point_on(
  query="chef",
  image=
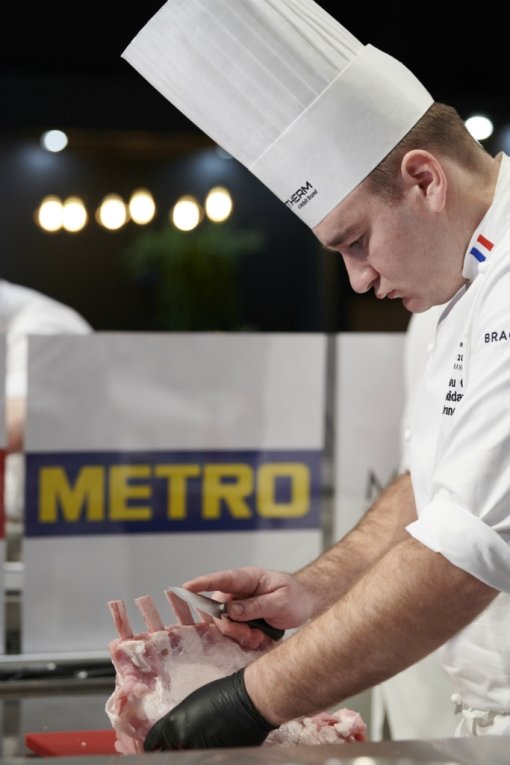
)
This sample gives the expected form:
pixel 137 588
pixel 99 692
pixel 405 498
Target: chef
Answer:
pixel 351 142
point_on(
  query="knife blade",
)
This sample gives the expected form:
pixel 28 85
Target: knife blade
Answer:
pixel 218 609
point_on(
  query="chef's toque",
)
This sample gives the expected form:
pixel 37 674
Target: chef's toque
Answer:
pixel 285 89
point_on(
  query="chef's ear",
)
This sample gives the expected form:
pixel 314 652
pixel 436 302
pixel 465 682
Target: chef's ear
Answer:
pixel 424 178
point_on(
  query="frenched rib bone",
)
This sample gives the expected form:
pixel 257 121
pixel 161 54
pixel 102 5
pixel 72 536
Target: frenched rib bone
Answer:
pixel 181 609
pixel 149 613
pixel 120 618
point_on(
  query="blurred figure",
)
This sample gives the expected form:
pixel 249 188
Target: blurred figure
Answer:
pixel 24 312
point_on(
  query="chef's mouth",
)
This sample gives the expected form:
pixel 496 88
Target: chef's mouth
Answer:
pixel 391 295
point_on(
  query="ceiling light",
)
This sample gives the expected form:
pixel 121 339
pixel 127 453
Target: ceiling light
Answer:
pixel 186 214
pixel 218 205
pixel 54 140
pixel 74 214
pixel 142 207
pixel 112 212
pixel 50 214
pixel 480 127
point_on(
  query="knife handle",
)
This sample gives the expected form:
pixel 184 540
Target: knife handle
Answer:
pixel 259 624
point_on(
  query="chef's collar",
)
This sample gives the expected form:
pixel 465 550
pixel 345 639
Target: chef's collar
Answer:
pixel 493 225
pixel 285 89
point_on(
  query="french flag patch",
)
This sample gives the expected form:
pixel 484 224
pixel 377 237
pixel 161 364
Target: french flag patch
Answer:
pixel 482 248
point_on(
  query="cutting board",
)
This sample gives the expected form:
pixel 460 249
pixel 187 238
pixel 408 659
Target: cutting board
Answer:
pixel 71 743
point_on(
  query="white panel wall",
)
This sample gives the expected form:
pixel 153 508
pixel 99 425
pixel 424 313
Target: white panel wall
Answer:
pixel 120 399
pixel 369 402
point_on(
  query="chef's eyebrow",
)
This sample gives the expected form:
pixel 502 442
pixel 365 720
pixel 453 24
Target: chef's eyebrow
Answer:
pixel 339 238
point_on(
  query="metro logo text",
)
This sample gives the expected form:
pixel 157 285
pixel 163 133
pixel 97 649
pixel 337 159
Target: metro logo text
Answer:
pixel 90 493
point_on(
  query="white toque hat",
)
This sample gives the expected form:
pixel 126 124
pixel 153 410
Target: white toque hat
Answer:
pixel 285 89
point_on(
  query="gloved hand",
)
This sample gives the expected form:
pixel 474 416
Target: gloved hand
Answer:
pixel 219 714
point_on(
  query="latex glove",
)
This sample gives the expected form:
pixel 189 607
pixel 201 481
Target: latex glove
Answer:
pixel 219 714
pixel 255 593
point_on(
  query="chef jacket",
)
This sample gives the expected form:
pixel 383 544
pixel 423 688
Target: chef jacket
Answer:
pixel 460 452
pixel 417 701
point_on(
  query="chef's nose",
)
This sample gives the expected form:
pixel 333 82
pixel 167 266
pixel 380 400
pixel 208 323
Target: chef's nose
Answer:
pixel 361 275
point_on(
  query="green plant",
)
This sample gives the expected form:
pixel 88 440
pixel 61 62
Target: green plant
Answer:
pixel 193 275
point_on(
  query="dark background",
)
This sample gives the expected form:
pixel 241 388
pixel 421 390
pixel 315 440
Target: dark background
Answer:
pixel 60 67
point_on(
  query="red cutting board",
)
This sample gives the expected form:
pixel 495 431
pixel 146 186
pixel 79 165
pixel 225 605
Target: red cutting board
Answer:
pixel 71 743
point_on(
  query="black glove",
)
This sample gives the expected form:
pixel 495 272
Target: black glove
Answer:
pixel 219 714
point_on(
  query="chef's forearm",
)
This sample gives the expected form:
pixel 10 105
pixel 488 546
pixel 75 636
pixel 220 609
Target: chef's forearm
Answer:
pixel 381 528
pixel 409 603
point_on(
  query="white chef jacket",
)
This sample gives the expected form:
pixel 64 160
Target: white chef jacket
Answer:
pixel 417 701
pixel 460 453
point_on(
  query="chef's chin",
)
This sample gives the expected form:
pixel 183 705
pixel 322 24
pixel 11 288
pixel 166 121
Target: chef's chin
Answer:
pixel 415 305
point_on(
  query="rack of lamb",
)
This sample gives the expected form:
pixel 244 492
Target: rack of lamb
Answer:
pixel 157 669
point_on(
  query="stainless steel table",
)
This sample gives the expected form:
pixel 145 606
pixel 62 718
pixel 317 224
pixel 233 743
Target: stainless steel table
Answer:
pixel 490 750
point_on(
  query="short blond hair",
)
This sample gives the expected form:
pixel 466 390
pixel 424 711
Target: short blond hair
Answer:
pixel 440 130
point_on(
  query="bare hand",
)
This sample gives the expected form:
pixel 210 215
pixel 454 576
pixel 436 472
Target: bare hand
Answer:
pixel 256 593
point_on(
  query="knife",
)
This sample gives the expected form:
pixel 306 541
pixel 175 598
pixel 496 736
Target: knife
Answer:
pixel 217 609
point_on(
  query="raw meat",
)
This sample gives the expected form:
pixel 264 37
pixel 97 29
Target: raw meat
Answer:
pixel 156 669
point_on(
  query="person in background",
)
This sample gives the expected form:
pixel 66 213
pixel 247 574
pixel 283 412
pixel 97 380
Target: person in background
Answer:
pixel 24 312
pixel 391 180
